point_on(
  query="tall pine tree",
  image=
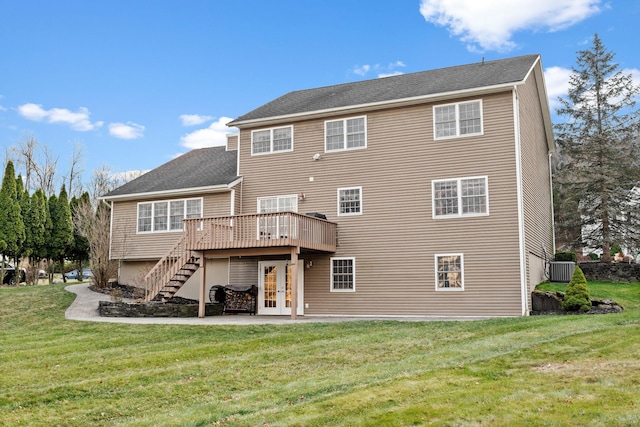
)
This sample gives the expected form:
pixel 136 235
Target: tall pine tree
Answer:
pixel 35 213
pixel 61 237
pixel 600 156
pixel 11 225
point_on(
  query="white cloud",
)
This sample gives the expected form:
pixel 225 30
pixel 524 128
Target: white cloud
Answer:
pixel 381 70
pixel 557 82
pixel 490 25
pixel 635 75
pixel 194 119
pixel 127 130
pixel 76 120
pixel 214 135
pixel 361 70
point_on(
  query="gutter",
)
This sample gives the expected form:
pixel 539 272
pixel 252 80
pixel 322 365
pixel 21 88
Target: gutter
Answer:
pixel 176 192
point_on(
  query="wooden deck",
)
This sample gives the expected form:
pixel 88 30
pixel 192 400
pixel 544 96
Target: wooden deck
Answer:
pixel 281 229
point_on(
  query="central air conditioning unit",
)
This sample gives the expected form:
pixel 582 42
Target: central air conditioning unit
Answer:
pixel 561 271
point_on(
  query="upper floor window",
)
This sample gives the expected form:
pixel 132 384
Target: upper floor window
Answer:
pixel 345 134
pixel 271 204
pixel 277 226
pixel 272 140
pixel 461 119
pixel 460 197
pixel 350 201
pixel 167 215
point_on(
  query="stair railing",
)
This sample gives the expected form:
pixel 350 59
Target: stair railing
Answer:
pixel 166 268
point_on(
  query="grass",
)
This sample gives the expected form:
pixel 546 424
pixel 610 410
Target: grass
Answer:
pixel 538 370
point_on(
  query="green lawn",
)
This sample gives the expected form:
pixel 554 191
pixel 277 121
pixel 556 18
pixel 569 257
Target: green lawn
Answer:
pixel 539 370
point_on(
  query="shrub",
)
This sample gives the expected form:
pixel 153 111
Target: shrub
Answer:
pixel 565 256
pixel 577 298
pixel 594 257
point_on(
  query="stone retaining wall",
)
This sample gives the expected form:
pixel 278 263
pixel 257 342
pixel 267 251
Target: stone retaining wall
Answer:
pixel 155 309
pixel 611 272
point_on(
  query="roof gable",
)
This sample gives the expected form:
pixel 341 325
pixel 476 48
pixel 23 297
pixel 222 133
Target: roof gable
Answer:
pixel 395 88
pixel 204 167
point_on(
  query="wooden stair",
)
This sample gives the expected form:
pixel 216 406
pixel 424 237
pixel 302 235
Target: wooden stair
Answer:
pixel 178 280
pixel 171 272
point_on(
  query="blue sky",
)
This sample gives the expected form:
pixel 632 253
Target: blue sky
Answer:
pixel 135 83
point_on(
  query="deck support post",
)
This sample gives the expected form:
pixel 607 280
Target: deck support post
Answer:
pixel 294 282
pixel 203 283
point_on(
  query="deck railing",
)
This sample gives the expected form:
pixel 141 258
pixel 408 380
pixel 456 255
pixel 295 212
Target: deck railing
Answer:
pixel 260 230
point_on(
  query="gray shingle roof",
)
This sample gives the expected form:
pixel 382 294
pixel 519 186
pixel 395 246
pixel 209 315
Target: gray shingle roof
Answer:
pixel 203 167
pixel 443 80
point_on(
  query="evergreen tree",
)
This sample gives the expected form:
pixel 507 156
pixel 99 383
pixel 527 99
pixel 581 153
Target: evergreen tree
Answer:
pixel 35 220
pixel 61 237
pixel 600 156
pixel 577 297
pixel 11 225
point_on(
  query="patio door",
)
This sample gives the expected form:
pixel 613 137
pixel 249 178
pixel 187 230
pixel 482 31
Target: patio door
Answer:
pixel 274 290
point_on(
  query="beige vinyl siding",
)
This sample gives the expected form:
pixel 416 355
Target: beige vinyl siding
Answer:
pixel 232 142
pixel 243 271
pixel 126 243
pixel 537 196
pixel 217 274
pixel 396 238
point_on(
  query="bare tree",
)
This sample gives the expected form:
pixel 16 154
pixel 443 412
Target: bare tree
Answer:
pixel 105 180
pixel 73 180
pixel 38 164
pixel 94 225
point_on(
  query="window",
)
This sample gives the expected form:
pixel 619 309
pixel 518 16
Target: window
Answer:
pixel 145 213
pixel 449 271
pixel 272 140
pixel 160 216
pixel 460 197
pixel 343 274
pixel 453 120
pixel 347 134
pixel 167 215
pixel 349 201
pixel 275 226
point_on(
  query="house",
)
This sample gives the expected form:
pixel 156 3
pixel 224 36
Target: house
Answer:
pixel 423 194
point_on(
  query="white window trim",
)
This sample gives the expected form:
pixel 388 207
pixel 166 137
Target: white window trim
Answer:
pixel 457 105
pixel 331 288
pixel 435 259
pixel 344 127
pixel 459 182
pixel 359 188
pixel 282 196
pixel 168 201
pixel 271 141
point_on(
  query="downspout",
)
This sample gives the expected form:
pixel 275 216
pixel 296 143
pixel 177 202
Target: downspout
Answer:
pixel 521 236
pixel 553 212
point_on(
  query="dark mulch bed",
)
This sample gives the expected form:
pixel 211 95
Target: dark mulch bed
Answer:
pixel 119 291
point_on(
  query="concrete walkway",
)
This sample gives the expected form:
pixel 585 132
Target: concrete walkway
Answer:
pixel 85 308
